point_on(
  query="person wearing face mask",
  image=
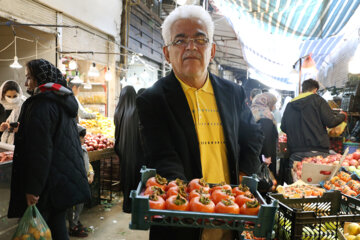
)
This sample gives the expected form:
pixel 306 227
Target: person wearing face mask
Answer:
pixel 11 100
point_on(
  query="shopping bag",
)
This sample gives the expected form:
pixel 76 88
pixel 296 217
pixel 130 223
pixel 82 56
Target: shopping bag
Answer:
pixel 265 180
pixel 32 226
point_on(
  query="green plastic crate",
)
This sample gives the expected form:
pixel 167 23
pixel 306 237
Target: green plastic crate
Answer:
pixel 142 217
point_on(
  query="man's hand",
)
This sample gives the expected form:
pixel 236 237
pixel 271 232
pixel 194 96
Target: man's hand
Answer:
pixel 90 178
pixel 4 126
pixel 344 113
pixel 31 199
pixel 267 161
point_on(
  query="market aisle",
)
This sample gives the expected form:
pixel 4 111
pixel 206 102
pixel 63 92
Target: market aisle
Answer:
pixel 115 224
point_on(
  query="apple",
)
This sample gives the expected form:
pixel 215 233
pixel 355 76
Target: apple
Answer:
pixel 352 168
pixel 345 164
pixel 353 162
pixel 356 155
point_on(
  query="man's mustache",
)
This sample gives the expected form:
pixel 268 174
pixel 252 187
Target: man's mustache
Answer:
pixel 191 55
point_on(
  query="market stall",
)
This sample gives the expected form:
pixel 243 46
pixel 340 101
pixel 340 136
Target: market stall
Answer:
pixel 6 155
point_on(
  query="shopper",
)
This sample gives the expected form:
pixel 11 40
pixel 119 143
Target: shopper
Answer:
pixel 76 229
pixel 305 121
pixel 48 167
pixel 195 124
pixel 262 107
pixel 11 100
pixel 253 93
pixel 82 113
pixel 127 143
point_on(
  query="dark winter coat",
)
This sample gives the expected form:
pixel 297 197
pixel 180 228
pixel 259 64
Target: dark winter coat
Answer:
pixel 48 158
pixel 305 121
pixel 270 141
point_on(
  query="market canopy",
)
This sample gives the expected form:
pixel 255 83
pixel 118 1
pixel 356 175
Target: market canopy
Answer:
pixel 275 34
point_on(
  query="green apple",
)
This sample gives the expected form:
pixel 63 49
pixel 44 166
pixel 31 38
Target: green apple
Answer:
pixel 357 171
pixel 352 168
pixel 358 167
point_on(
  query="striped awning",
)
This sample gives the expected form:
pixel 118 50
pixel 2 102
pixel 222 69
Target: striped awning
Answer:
pixel 275 33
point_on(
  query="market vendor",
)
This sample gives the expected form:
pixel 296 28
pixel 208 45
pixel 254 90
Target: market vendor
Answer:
pixel 305 120
pixel 193 123
pixel 75 87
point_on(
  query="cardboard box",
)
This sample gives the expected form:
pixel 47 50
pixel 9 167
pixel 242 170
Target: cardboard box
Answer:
pixel 313 173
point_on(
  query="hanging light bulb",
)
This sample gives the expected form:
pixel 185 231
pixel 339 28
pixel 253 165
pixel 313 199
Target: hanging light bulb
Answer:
pixel 76 79
pixel 108 75
pixel 16 63
pixel 93 72
pixel 72 65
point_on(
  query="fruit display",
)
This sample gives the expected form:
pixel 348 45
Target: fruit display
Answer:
pixel 6 156
pixel 97 142
pixel 300 191
pixel 352 162
pixel 197 196
pixel 352 231
pixel 100 125
pixel 92 99
pixel 344 183
pixel 329 160
pixel 283 138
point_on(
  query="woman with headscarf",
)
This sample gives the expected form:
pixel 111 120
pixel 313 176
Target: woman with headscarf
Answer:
pixel 48 167
pixel 11 100
pixel 262 108
pixel 127 143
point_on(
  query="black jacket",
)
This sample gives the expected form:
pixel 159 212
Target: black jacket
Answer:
pixel 305 121
pixel 48 159
pixel 170 139
pixel 270 141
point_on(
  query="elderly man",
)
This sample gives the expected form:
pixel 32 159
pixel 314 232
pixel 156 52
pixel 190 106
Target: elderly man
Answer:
pixel 193 123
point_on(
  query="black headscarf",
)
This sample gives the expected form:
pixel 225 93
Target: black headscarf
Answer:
pixel 127 143
pixel 44 72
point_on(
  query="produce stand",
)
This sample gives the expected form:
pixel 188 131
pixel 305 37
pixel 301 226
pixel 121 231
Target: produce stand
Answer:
pixel 142 217
pixel 5 179
pixel 107 174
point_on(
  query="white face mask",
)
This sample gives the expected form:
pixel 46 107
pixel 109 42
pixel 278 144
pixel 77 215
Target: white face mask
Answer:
pixel 12 100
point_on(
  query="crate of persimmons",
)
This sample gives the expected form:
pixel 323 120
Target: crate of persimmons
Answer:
pixel 198 204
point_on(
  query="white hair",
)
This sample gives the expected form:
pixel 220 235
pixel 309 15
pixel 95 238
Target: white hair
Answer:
pixel 186 12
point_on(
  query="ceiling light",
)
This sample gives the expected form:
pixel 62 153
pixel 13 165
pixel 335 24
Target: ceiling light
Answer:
pixel 15 64
pixel 72 65
pixel 93 72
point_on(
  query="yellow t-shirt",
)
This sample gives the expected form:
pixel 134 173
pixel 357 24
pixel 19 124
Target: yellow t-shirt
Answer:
pixel 209 130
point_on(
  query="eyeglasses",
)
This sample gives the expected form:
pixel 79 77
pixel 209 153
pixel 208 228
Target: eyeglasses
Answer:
pixel 183 42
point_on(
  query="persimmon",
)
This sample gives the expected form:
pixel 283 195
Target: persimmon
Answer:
pixel 227 206
pixel 221 194
pixel 156 202
pixel 241 199
pixel 177 190
pixel 155 190
pixel 240 190
pixel 202 204
pixel 197 183
pixel 156 181
pixel 175 183
pixel 177 202
pixel 250 208
pixel 221 185
pixel 198 193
